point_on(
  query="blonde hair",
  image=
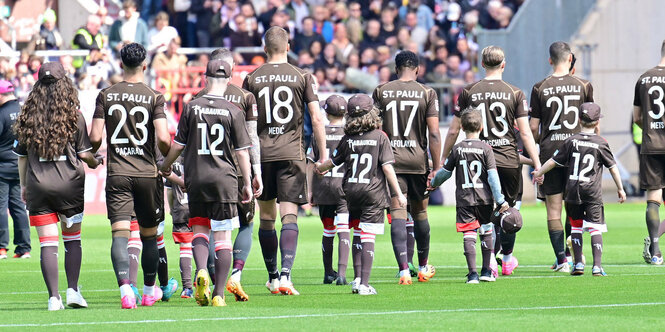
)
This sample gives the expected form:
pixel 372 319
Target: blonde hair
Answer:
pixel 493 57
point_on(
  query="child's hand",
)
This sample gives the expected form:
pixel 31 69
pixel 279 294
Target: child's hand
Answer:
pixel 537 177
pixel 402 200
pixel 504 207
pixel 622 195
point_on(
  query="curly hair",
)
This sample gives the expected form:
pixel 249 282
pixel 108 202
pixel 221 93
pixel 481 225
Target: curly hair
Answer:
pixel 48 119
pixel 363 123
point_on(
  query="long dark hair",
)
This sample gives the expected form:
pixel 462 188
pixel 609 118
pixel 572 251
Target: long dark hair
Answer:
pixel 48 119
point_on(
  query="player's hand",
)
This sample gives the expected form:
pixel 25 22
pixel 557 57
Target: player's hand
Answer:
pixel 504 207
pixel 257 185
pixel 165 171
pixel 622 195
pixel 246 194
pixel 319 169
pixel 402 200
pixel 537 177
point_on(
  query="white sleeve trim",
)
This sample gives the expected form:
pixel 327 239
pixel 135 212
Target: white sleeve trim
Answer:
pixel 85 150
pixel 388 162
pixel 557 163
pixel 243 148
pixel 183 144
pixel 18 154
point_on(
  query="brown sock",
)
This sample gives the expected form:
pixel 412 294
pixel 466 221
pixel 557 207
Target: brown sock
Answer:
pixel 134 247
pixel 223 258
pixel 470 250
pixel 186 267
pixel 597 247
pixel 398 237
pixel 410 241
pixel 576 238
pixel 356 252
pixel 288 244
pixel 269 245
pixel 72 242
pixel 200 250
pixel 422 232
pixel 149 260
pixel 49 263
pixel 367 257
pixel 163 268
pixel 486 249
pixel 343 249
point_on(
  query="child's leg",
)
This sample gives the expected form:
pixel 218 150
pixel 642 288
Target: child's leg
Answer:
pixel 486 246
pixel 357 247
pixel 344 242
pixel 223 258
pixel 163 268
pixel 200 242
pixel 71 238
pixel 182 235
pixel 470 250
pixel 47 230
pixel 134 247
pixel 596 246
pixel 367 240
pixel 327 214
pixel 576 216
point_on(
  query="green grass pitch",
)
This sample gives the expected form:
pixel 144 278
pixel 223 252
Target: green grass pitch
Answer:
pixel 534 298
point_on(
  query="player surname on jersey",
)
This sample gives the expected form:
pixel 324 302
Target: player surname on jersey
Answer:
pixel 497 142
pixel 560 137
pixel 129 97
pixel 406 143
pixel 562 89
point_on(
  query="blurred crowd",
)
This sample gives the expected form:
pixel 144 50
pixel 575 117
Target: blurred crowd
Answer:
pixel 348 45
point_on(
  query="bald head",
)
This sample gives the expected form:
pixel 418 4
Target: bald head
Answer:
pixel 223 54
pixel 93 24
pixel 276 41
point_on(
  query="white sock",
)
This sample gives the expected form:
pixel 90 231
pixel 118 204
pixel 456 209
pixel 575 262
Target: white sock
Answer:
pixel 235 275
pixel 569 259
pixel 126 290
pixel 148 290
pixel 507 258
pixel 423 268
pixel 404 273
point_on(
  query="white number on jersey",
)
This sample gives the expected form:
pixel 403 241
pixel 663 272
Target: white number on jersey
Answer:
pixel 501 118
pixel 217 130
pixel 555 124
pixel 581 174
pixel 471 181
pixel 279 103
pixel 392 107
pixel 658 101
pixel 364 159
pixel 141 126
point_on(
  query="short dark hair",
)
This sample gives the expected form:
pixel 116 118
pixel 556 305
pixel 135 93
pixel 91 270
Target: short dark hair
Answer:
pixel 132 55
pixel 472 121
pixel 559 52
pixel 406 59
pixel 221 54
pixel 306 18
pixel 276 40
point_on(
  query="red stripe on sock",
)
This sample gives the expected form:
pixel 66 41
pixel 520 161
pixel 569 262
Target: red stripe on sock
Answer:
pixel 201 235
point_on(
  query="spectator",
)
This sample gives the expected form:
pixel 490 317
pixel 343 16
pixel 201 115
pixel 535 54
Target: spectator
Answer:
pixel 467 57
pixel 87 38
pixel 48 37
pixel 403 38
pixel 298 10
pixel 180 19
pixel 274 7
pixel 355 12
pixel 66 62
pixel 343 46
pixel 488 15
pixel 367 57
pixel 129 28
pixel 315 49
pixel 418 33
pixel 150 8
pixel 322 25
pixel 33 65
pixel 244 37
pixel 385 75
pixel 453 64
pixel 440 56
pixel 305 61
pixel 203 9
pixel 353 61
pixel 438 74
pixel 328 57
pixel 305 38
pixel 247 10
pixel 105 23
pixel 229 10
pixel 383 55
pixel 504 16
pixel 424 15
pixel 388 28
pixel 372 38
pixel 99 68
pixel 340 12
pixel 10 188
pixel 161 34
pixel 469 77
pixel 172 63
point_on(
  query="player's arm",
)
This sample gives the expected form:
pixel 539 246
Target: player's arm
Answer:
pixel 317 127
pixel 547 166
pixel 245 170
pixel 255 156
pixel 434 142
pixel 175 180
pixel 534 124
pixel 451 136
pixel 327 165
pixel 173 154
pixel 163 136
pixel 527 138
pixel 96 133
pixel 22 173
pixel 389 171
pixel 637 116
pixel 92 160
pixel 525 161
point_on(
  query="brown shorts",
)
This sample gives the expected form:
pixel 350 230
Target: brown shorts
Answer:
pixel 652 171
pixel 127 196
pixel 368 214
pixel 63 198
pixel 285 180
pixel 413 186
pixel 245 211
pixel 180 216
pixel 593 213
pixel 555 181
pixel 470 218
pixel 511 181
pixel 331 211
pixel 213 210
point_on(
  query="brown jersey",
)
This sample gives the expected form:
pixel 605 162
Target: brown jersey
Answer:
pixel 405 107
pixel 500 104
pixel 327 189
pixel 246 102
pixel 556 102
pixel 471 159
pixel 60 181
pixel 650 98
pixel 364 155
pixel 129 110
pixel 585 155
pixel 282 91
pixel 211 128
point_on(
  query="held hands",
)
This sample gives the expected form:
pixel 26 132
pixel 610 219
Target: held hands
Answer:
pixel 320 170
pixel 430 177
pixel 538 177
pixel 100 160
pixel 165 171
pixel 622 195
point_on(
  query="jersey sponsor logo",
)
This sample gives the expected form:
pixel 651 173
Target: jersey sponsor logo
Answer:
pixel 578 143
pixel 361 142
pixel 129 97
pixel 491 96
pixel 200 111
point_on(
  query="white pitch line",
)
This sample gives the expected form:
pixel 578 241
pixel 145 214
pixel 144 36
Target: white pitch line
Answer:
pixel 377 313
pixel 378 281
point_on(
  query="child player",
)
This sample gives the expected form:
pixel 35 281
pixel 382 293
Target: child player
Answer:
pixel 477 183
pixel 327 193
pixel 182 233
pixel 367 152
pixel 585 154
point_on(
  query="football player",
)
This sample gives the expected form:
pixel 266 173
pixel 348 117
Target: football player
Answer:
pixel 501 105
pixel 282 91
pixel 133 115
pixel 584 155
pixel 410 113
pixel 648 111
pixel 367 152
pixel 555 103
pixel 210 129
